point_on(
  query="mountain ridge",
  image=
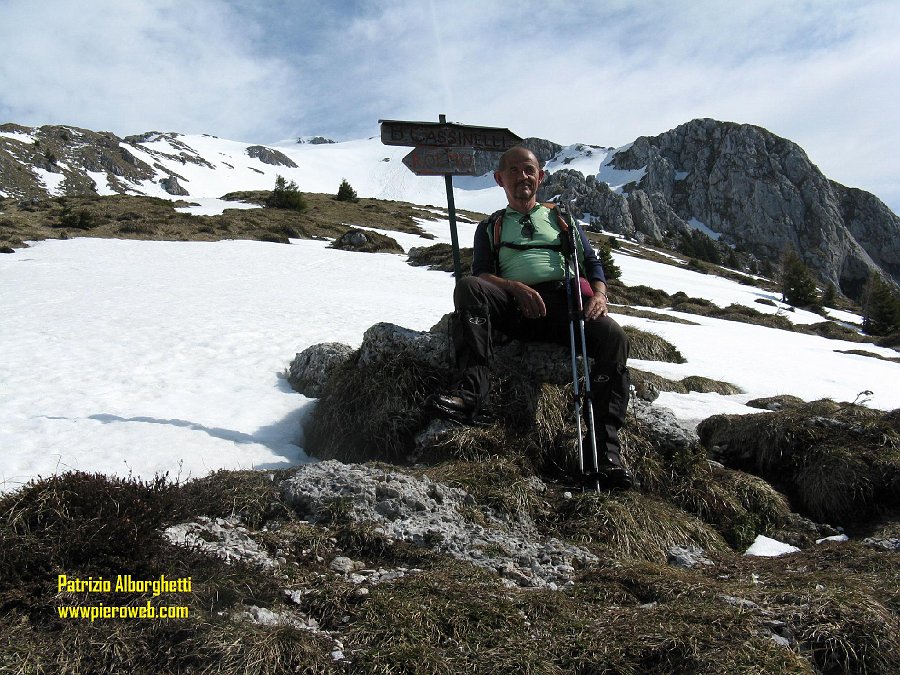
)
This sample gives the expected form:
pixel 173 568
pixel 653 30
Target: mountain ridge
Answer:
pixel 740 183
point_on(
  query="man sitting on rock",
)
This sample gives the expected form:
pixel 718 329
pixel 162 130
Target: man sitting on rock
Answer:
pixel 517 287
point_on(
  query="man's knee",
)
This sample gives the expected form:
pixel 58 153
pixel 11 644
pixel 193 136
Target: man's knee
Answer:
pixel 472 291
pixel 607 341
pixel 468 292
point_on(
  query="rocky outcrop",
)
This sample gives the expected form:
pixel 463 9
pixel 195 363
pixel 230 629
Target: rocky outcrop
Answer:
pixel 315 140
pixel 270 156
pixel 366 241
pixel 759 191
pixel 486 162
pixel 428 513
pixel 311 368
pixel 389 377
pixel 172 186
pixel 69 152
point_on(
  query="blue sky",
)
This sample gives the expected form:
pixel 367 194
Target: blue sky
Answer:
pixel 819 72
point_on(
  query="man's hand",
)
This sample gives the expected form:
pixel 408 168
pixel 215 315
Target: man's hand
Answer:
pixel 530 302
pixel 595 307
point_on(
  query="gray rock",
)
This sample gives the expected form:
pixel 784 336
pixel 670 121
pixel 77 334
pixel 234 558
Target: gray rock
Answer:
pixel 344 565
pixel 388 341
pixel 661 426
pixel 758 190
pixel 270 156
pixel 887 543
pixel 687 557
pixel 172 186
pixel 221 537
pixel 427 513
pixel 311 368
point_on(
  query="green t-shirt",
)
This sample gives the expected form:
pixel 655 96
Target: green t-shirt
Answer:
pixel 531 265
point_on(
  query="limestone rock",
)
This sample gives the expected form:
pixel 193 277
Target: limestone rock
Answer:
pixel 660 425
pixel 311 368
pixel 759 191
pixel 431 514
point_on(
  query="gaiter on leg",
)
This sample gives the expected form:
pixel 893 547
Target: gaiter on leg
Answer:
pixel 610 388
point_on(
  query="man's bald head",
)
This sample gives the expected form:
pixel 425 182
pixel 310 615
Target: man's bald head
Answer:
pixel 515 153
pixel 519 174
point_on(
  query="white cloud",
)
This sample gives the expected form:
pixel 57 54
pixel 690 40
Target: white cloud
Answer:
pixel 819 73
pixel 135 66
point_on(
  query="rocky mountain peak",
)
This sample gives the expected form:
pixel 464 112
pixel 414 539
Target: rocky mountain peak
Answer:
pixel 759 191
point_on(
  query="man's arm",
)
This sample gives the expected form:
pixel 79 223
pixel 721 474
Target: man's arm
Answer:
pixel 597 305
pixel 529 301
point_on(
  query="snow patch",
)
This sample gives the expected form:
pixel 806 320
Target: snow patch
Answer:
pixel 101 183
pixel 697 225
pixel 17 136
pixel 52 181
pixel 617 179
pixel 770 548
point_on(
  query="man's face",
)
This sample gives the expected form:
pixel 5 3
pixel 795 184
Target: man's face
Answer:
pixel 520 176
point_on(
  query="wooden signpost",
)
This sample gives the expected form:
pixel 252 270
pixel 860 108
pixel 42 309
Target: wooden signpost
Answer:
pixel 428 161
pixel 446 149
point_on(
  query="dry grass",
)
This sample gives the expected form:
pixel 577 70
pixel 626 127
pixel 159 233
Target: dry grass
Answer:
pixel 839 463
pixel 133 217
pixel 652 347
pixel 373 413
pixel 628 613
pixel 632 525
pixel 440 257
pixel 685 385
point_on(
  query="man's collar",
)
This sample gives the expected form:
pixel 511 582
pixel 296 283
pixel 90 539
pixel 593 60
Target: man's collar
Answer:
pixel 521 213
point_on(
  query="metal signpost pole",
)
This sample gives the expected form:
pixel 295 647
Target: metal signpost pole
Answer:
pixel 451 209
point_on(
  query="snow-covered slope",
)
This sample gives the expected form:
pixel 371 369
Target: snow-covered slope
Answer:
pixel 154 357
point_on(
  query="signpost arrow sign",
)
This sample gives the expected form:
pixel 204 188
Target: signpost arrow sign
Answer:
pixel 447 135
pixel 427 161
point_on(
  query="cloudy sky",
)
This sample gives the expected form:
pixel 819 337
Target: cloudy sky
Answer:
pixel 822 73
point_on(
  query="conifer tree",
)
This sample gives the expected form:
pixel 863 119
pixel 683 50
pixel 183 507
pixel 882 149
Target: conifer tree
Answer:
pixel 610 269
pixel 797 285
pixel 881 307
pixel 286 196
pixel 345 192
pixel 829 297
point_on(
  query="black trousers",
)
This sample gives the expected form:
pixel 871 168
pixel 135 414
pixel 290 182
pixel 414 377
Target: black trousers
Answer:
pixel 483 307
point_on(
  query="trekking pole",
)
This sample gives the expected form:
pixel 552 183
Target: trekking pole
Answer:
pixel 576 314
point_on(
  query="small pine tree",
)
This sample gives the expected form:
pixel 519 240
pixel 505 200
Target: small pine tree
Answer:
pixel 286 196
pixel 797 285
pixel 733 261
pixel 829 297
pixel 696 244
pixel 345 192
pixel 610 269
pixel 881 307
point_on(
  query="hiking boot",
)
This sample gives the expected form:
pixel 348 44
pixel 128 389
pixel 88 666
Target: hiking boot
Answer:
pixel 608 478
pixel 615 478
pixel 462 407
pixel 454 402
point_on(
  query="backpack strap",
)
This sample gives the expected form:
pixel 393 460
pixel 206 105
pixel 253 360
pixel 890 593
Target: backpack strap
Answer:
pixel 495 220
